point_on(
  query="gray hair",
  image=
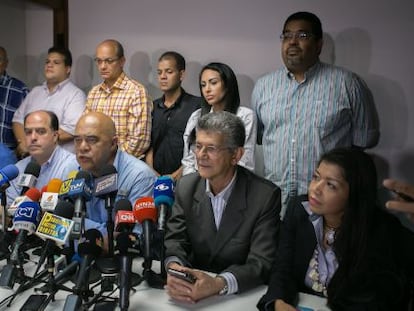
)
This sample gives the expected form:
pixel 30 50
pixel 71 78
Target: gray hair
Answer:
pixel 225 123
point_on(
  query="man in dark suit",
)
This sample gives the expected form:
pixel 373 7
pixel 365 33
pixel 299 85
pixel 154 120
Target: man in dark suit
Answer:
pixel 224 220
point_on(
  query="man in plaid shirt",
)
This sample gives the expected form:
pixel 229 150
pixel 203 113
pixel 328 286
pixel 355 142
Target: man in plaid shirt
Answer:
pixel 123 99
pixel 12 93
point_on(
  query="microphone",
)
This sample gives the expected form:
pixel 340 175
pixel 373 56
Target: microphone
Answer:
pixel 68 270
pixel 124 243
pixel 106 188
pixel 65 187
pixel 146 214
pixel 164 199
pixel 80 191
pixel 25 220
pixel 50 197
pixel 29 178
pixel 31 195
pixel 89 249
pixel 55 228
pixel 124 216
pixel 7 174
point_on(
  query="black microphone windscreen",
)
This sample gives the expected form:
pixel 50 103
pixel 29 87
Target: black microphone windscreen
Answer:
pixel 108 169
pixel 68 252
pixel 84 175
pixel 32 168
pixel 64 209
pixel 123 205
pixel 90 246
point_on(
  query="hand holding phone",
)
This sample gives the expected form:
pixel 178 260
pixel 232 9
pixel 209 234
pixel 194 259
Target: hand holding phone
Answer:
pixel 182 275
pixel 403 196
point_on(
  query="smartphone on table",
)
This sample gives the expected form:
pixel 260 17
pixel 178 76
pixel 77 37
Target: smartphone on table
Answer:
pixel 182 275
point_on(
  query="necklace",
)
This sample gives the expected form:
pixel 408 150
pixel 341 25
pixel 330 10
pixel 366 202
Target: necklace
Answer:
pixel 317 285
pixel 329 234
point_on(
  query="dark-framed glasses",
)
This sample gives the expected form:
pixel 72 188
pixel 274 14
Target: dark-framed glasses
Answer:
pixel 211 150
pixel 299 35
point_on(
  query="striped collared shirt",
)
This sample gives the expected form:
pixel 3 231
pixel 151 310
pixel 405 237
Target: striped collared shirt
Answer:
pixel 129 105
pixel 331 108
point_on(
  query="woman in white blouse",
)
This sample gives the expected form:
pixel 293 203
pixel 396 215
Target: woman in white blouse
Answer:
pixel 220 91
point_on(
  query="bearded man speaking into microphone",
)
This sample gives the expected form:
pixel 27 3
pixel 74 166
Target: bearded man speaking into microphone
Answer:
pixel 96 145
pixel 224 219
pixel 47 160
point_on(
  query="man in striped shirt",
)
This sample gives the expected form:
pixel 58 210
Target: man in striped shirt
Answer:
pixel 123 99
pixel 308 108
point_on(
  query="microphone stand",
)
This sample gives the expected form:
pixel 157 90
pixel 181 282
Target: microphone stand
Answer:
pixel 5 236
pixel 162 255
pixel 154 279
pixel 109 202
pixel 3 210
pixel 24 286
pixel 51 287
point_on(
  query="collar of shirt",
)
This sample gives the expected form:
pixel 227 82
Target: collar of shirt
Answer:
pixel 49 161
pixel 177 102
pixel 308 73
pixel 327 263
pixel 219 202
pixel 4 78
pixel 119 83
pixel 122 193
pixel 57 88
pixel 225 193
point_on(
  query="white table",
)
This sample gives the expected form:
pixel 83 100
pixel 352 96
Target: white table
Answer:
pixel 147 298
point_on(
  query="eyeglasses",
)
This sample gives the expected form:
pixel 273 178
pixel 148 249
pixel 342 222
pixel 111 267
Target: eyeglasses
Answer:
pixel 108 61
pixel 300 35
pixel 90 140
pixel 211 150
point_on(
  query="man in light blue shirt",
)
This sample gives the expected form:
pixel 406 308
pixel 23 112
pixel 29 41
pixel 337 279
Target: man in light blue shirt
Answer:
pixel 96 145
pixel 41 130
pixel 308 108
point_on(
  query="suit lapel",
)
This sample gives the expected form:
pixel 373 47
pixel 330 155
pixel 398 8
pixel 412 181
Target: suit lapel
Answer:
pixel 203 211
pixel 233 214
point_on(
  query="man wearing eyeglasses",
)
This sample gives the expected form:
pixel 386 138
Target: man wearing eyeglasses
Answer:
pixel 41 130
pixel 123 99
pixel 307 108
pixel 224 219
pixel 57 94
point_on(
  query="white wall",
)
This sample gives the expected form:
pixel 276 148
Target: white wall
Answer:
pixel 371 37
pixel 39 38
pixel 374 38
pixel 26 31
pixel 12 36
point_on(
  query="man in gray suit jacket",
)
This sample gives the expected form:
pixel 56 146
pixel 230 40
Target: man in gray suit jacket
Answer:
pixel 225 219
